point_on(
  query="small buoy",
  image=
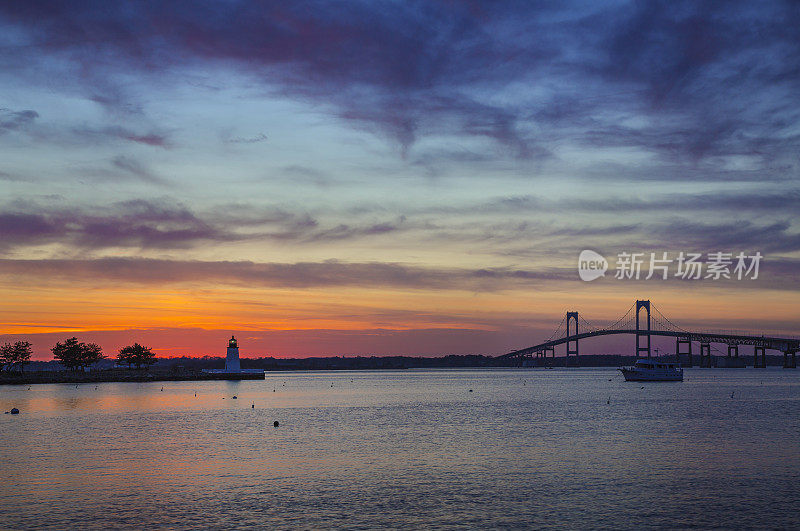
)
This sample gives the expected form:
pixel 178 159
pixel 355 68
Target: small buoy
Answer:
pixel 609 400
pixel 642 387
pixel 14 411
pixel 273 390
pixel 276 424
pixel 470 390
pixel 195 393
pixel 162 388
pixel 235 397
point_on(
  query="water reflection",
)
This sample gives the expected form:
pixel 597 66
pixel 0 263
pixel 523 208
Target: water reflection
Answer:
pixel 406 448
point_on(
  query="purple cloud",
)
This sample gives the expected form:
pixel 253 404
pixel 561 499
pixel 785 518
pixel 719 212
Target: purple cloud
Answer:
pixel 701 76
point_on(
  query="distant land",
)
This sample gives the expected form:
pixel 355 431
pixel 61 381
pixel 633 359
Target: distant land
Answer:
pixel 189 368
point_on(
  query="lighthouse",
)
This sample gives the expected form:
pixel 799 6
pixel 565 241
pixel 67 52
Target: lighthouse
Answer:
pixel 232 360
pixel 233 369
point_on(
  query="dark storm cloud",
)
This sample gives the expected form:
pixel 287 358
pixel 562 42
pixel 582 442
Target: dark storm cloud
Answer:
pixel 702 81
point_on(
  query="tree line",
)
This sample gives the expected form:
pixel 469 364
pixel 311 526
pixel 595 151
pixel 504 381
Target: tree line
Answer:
pixel 74 355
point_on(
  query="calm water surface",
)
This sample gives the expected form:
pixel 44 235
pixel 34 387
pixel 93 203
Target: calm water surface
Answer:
pixel 407 449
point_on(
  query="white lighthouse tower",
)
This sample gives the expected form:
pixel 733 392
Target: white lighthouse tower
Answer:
pixel 232 360
pixel 233 369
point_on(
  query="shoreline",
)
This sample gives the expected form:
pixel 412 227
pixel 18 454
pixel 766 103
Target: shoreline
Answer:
pixel 118 375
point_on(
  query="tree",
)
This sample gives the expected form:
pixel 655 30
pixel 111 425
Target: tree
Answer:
pixel 15 354
pixel 6 355
pixel 74 354
pixel 136 354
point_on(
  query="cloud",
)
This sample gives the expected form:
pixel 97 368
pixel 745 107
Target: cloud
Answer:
pixel 134 167
pixel 16 120
pixel 261 137
pixel 346 231
pixel 168 224
pixel 306 174
pixel 11 177
pixel 284 275
pixel 137 224
pixel 112 133
pixel 684 81
pixel 775 273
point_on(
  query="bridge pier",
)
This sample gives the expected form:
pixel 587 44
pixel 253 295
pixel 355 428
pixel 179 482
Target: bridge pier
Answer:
pixel 688 342
pixel 705 355
pixel 552 351
pixel 733 349
pixel 572 317
pixel 756 351
pixel 790 359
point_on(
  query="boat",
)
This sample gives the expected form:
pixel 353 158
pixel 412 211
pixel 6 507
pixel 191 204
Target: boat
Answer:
pixel 653 371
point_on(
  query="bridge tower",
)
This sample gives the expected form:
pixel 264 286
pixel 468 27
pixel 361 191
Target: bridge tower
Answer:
pixel 684 341
pixel 572 316
pixel 640 332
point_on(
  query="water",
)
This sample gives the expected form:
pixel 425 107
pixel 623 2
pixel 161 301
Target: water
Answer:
pixel 407 449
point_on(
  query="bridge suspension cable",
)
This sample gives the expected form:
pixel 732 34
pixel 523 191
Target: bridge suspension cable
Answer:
pixel 669 325
pixel 556 332
pixel 624 321
pixel 587 325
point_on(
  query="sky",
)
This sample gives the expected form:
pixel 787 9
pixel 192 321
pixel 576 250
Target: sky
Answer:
pixel 382 177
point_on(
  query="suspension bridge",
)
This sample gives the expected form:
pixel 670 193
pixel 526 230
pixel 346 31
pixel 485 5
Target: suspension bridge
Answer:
pixel 643 320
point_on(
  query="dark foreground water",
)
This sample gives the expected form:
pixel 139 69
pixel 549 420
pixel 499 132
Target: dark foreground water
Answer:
pixel 412 449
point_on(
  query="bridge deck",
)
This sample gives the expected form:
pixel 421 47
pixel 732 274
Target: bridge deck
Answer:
pixel 773 343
